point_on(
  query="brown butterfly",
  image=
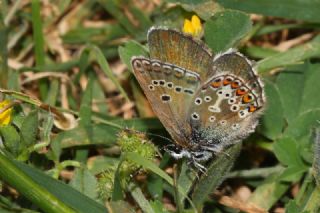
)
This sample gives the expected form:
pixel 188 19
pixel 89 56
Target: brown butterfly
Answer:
pixel 205 101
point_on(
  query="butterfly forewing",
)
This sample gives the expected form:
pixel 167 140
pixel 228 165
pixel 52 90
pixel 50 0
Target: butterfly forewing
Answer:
pixel 169 89
pixel 173 47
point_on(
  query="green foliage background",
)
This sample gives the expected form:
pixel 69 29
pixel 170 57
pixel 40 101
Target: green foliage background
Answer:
pixel 103 155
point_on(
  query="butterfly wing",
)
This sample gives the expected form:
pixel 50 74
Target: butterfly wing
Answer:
pixel 169 89
pixel 182 50
pixel 226 108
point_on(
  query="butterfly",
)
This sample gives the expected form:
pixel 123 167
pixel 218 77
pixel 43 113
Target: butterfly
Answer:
pixel 206 101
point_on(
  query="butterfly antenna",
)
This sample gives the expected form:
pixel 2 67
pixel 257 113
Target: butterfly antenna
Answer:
pixel 147 133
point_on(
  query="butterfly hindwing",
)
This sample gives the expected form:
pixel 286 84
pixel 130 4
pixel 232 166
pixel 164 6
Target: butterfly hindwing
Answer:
pixel 225 109
pixel 182 50
pixel 169 89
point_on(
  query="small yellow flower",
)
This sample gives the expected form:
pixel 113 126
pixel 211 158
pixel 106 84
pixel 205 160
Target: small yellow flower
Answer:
pixel 5 112
pixel 193 27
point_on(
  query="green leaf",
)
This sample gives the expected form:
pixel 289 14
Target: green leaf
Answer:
pixel 29 129
pixel 225 30
pixel 215 174
pixel 155 186
pixel 84 182
pixel 293 173
pixel 306 10
pixel 98 56
pixel 203 8
pixel 131 48
pixel 27 186
pixel 316 160
pixel 269 192
pixel 288 152
pixel 272 122
pixel 99 134
pixel 136 28
pixel 290 93
pixel 158 207
pixel 85 112
pixel 147 164
pixel 291 56
pixel 292 207
pixel 11 140
pixel 63 192
pixel 311 89
pixel 302 125
pixel 139 197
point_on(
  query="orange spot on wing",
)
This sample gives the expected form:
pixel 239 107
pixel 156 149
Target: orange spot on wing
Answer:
pixel 240 92
pixel 226 82
pixel 235 85
pixel 252 108
pixel 247 98
pixel 217 83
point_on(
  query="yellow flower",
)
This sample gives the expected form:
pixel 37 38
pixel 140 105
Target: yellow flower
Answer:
pixel 193 27
pixel 5 112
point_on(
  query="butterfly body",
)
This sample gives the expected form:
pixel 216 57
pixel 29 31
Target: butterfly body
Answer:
pixel 205 101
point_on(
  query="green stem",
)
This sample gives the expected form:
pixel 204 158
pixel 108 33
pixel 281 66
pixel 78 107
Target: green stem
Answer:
pixel 29 189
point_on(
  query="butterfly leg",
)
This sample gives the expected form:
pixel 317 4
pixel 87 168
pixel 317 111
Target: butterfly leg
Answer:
pixel 193 162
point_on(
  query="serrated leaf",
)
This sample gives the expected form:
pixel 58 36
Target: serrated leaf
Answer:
pixel 225 29
pixel 29 129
